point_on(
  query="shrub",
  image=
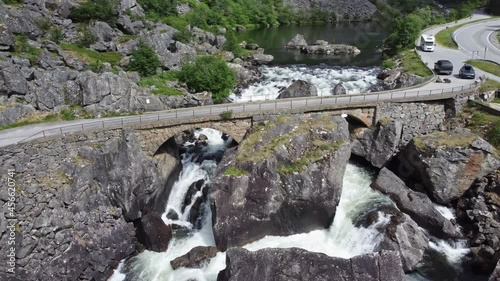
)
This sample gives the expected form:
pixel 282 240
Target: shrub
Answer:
pixel 144 60
pixel 85 38
pixel 44 24
pixel 55 34
pixel 184 36
pixel 103 10
pixel 226 115
pixel 159 8
pixel 12 2
pixel 211 74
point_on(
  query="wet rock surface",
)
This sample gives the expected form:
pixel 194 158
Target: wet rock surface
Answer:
pixel 281 180
pixel 416 204
pixel 298 264
pixel 197 257
pixel 478 211
pixel 299 88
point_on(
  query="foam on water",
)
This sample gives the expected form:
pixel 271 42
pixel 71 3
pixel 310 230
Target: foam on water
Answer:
pixel 454 251
pixel 355 80
pixel 446 212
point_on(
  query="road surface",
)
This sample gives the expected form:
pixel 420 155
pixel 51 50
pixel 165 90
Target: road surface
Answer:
pixel 468 39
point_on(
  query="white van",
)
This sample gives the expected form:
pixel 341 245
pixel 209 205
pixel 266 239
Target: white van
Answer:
pixel 427 43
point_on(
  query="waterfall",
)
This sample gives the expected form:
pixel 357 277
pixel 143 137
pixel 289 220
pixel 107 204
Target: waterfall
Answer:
pixel 343 238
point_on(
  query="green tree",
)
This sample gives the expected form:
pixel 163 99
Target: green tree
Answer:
pixel 103 10
pixel 144 60
pixel 209 73
pixel 161 8
pixel 405 31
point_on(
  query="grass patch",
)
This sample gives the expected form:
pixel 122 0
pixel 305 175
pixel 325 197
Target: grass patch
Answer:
pixel 68 114
pixel 92 57
pixel 489 85
pixel 259 146
pixel 23 49
pixel 440 139
pixel 484 124
pixel 158 83
pixel 235 172
pixel 487 66
pixel 413 64
pixel 444 39
pixel 496 100
pixel 318 150
pixel 125 38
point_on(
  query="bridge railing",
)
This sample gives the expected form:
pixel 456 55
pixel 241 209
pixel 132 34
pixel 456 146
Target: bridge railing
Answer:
pixel 257 106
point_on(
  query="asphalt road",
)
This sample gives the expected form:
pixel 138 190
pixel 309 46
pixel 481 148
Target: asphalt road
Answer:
pixel 468 37
pixel 457 57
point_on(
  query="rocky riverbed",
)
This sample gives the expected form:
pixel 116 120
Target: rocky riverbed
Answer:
pixel 190 210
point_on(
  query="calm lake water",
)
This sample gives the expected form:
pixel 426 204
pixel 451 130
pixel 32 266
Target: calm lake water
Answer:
pixel 368 37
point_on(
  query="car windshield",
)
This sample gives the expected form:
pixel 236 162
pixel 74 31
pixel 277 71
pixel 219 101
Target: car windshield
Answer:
pixel 429 43
pixel 467 67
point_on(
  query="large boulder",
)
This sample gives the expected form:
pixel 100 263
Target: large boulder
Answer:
pixel 478 212
pixel 299 88
pixel 113 93
pixel 295 264
pixel 260 59
pixel 11 114
pixel 331 49
pixel 196 257
pixel 153 233
pixel 339 89
pixel 378 145
pixel 403 235
pixel 389 78
pixel 416 204
pixel 105 36
pixel 445 164
pixel 284 178
pixel 159 38
pixel 12 81
pixel 7 39
pixel 21 21
pixel 130 180
pixel 297 42
pixel 47 90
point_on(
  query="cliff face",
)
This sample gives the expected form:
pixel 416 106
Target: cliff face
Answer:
pixel 343 9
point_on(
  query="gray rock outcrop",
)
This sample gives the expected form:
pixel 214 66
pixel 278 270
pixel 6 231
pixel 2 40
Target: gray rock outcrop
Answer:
pixel 297 42
pixel 342 9
pixel 403 235
pixel 196 257
pixel 12 81
pixel 416 204
pixel 7 39
pixel 153 233
pixel 289 180
pixel 134 190
pixel 296 264
pixel 299 88
pixel 11 114
pixel 445 164
pixel 331 49
pixel 378 145
pixel 339 89
pixel 260 59
pixel 478 212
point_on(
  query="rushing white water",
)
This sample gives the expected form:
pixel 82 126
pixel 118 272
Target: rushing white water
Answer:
pixel 446 212
pixel 355 80
pixel 342 239
pixel 454 251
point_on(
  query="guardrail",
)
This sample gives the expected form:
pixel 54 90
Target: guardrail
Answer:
pixel 281 104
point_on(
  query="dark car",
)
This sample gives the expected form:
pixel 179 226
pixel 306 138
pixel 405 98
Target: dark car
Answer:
pixel 467 71
pixel 443 67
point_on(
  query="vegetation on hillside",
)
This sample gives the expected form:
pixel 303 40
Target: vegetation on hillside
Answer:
pixel 483 123
pixel 144 60
pixel 209 73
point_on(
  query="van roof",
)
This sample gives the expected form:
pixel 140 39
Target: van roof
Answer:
pixel 428 36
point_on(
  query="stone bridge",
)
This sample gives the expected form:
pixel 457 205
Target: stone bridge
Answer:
pixel 152 136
